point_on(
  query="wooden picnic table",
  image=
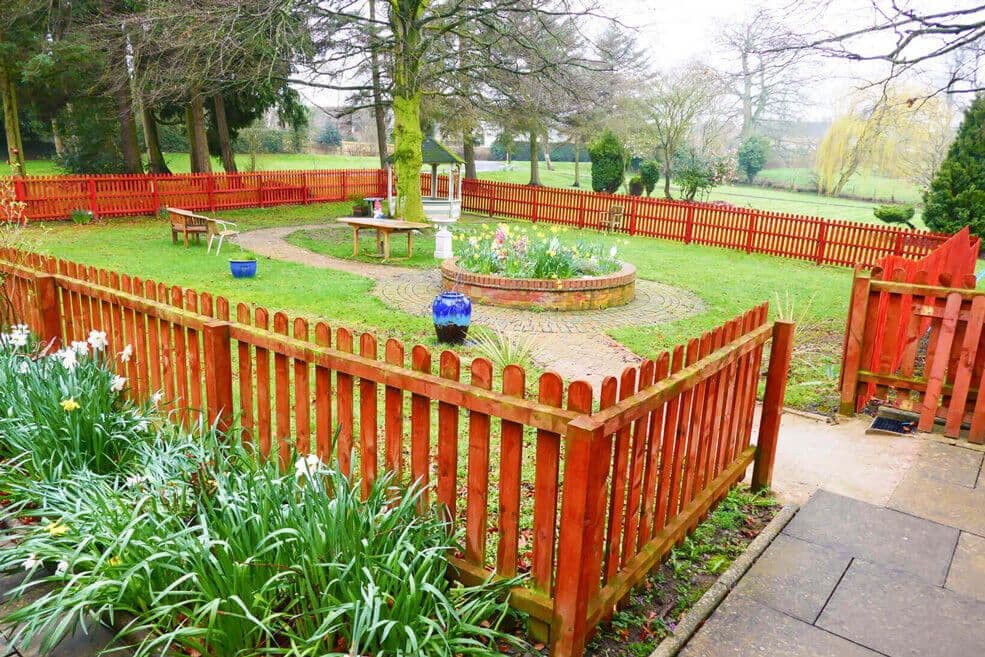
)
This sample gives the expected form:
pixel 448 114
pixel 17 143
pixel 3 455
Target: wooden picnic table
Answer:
pixel 384 228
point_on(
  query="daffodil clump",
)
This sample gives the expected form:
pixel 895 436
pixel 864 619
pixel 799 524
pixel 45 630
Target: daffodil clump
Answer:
pixel 536 252
pixel 62 410
pixel 189 544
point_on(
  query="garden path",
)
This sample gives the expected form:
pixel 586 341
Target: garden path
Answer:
pixel 573 344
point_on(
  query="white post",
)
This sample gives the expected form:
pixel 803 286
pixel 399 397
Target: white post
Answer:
pixel 390 201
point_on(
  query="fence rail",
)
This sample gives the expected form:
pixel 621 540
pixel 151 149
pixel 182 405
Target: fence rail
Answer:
pixel 616 480
pixel 911 337
pixel 824 241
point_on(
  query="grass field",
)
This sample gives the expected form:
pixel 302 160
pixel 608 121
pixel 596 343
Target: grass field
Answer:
pixel 777 200
pixel 864 186
pixel 729 283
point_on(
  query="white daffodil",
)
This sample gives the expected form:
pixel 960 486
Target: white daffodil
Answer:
pixel 307 465
pixel 98 340
pixel 19 336
pixel 80 347
pixel 157 397
pixel 118 383
pixel 69 359
pixel 613 251
pixel 126 354
pixel 61 568
pixel 32 562
pixel 135 480
pixel 23 367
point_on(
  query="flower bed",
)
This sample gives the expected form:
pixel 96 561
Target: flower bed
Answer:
pixel 588 293
pixel 531 268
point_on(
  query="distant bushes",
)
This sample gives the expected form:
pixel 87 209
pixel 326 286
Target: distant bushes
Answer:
pixel 608 165
pixel 895 214
pixel 560 152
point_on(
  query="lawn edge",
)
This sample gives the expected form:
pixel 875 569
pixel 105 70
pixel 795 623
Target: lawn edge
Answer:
pixel 713 597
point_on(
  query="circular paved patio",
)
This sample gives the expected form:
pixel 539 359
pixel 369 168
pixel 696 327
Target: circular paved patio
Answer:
pixel 574 344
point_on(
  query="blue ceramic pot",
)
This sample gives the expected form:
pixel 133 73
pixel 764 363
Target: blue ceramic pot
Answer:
pixel 243 268
pixel 452 314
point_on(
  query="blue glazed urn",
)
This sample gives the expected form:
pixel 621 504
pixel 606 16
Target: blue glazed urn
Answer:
pixel 243 268
pixel 452 314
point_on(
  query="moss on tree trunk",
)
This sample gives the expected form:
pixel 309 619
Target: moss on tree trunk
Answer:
pixel 15 149
pixel 407 156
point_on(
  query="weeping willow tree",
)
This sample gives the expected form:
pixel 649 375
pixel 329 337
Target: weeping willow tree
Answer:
pixel 898 134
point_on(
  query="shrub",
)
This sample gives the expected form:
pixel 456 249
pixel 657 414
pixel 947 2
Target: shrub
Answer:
pixel 752 156
pixel 81 217
pixel 650 175
pixel 956 197
pixel 636 186
pixel 532 254
pixel 607 163
pixel 895 214
pixel 697 174
pixel 329 136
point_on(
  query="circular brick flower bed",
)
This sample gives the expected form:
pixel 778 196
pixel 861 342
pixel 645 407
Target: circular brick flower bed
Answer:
pixel 589 293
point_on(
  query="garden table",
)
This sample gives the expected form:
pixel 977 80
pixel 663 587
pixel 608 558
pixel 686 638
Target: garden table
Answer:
pixel 384 228
pixel 371 202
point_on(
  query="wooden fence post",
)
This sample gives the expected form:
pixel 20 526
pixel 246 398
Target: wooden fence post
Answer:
pixel 776 385
pixel 851 354
pixel 586 470
pixel 492 200
pixel 93 205
pixel 633 209
pixel 534 194
pixel 822 234
pixel 218 373
pixel 750 232
pixel 581 210
pixel 155 194
pixel 211 190
pixel 689 224
pixel 46 307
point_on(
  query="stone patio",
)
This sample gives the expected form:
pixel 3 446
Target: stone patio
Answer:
pixel 848 578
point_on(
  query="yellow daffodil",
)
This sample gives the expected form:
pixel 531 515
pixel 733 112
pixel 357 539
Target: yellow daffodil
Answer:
pixel 56 528
pixel 69 405
pixel 115 561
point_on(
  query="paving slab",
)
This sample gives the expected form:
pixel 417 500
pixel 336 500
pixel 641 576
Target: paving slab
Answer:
pixel 949 504
pixel 795 577
pixel 898 615
pixel 949 463
pixel 967 574
pixel 876 534
pixel 742 627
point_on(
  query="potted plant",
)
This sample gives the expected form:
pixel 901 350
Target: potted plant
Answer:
pixel 244 265
pixel 359 206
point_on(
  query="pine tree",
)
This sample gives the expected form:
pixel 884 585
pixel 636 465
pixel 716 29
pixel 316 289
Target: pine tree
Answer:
pixel 956 197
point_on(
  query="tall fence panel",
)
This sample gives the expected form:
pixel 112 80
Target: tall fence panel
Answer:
pixel 823 241
pixel 616 481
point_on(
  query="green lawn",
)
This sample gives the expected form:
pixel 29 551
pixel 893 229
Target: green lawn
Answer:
pixel 729 282
pixel 861 185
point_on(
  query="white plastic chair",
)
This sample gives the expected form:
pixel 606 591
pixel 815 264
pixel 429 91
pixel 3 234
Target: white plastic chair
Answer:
pixel 220 229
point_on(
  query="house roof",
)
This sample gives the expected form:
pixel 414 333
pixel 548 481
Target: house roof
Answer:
pixel 434 152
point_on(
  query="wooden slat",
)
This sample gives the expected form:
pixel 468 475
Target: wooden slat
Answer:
pixel 246 400
pixel 368 417
pixel 344 401
pixel 394 412
pixel 420 426
pixel 302 394
pixel 617 497
pixel 970 345
pixel 938 366
pixel 510 464
pixel 282 396
pixel 477 494
pixel 262 320
pixel 324 431
pixel 450 368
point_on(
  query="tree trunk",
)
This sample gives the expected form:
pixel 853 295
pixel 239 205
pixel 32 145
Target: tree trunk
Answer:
pixel 577 182
pixel 667 176
pixel 378 110
pixel 197 142
pixel 534 160
pixel 222 129
pixel 11 124
pixel 468 149
pixel 129 146
pixel 56 135
pixel 155 157
pixel 547 152
pixel 407 137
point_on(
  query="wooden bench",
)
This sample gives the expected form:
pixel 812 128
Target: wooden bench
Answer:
pixel 384 228
pixel 187 223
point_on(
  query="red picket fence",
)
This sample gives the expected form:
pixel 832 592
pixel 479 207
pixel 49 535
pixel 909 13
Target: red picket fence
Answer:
pixel 904 312
pixel 56 197
pixel 617 481
pixel 823 241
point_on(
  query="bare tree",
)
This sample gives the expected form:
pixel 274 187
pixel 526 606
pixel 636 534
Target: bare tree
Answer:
pixel 765 81
pixel 906 38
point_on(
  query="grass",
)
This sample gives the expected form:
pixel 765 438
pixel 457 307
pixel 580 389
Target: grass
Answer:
pixel 869 186
pixel 762 198
pixel 729 283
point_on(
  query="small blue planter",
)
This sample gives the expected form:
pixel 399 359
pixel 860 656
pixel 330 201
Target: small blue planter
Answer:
pixel 243 268
pixel 452 314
